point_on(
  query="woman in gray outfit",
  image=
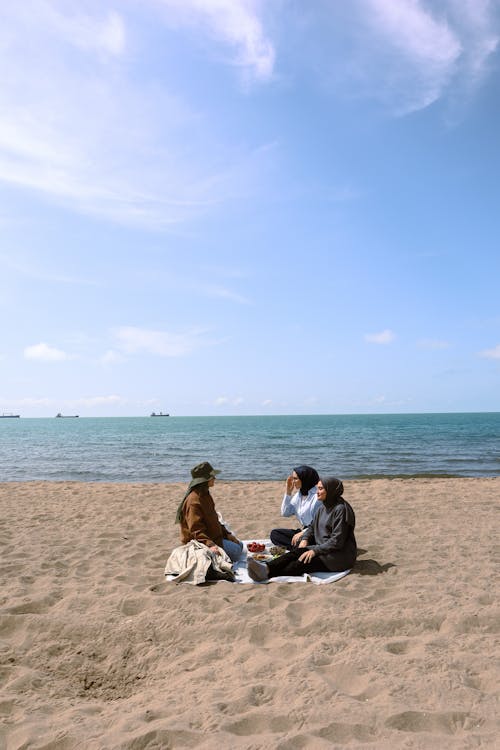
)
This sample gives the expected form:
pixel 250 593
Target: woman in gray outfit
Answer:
pixel 327 544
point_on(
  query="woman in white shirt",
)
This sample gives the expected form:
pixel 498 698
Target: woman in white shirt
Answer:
pixel 300 500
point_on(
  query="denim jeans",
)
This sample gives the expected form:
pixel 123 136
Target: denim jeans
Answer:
pixel 232 549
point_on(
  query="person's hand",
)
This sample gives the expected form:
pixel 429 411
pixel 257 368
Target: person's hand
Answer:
pixel 303 543
pixel 289 485
pixel 215 549
pixel 296 538
pixel 307 556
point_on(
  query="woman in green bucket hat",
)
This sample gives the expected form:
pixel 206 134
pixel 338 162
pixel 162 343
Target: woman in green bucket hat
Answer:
pixel 198 518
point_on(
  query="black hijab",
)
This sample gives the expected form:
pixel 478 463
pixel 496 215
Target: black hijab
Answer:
pixel 309 478
pixel 334 490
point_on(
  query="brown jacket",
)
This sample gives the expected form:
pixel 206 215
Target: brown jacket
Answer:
pixel 199 520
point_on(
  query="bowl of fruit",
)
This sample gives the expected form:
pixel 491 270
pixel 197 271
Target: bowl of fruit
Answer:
pixel 258 551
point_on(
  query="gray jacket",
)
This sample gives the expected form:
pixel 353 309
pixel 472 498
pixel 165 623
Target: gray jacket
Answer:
pixel 331 535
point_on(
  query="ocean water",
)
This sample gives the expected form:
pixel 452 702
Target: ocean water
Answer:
pixel 145 449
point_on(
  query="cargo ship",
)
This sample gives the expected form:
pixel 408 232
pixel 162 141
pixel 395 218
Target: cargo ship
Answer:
pixel 158 414
pixel 9 415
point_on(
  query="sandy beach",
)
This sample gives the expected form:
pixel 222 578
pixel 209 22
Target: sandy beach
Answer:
pixel 99 652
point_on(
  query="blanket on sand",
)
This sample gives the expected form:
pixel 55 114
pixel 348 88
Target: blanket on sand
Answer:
pixel 241 573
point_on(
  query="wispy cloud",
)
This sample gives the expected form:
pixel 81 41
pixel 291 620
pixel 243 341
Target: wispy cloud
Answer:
pixel 111 357
pixel 410 53
pixel 235 23
pixel 229 401
pixel 90 401
pixel 80 125
pixel 383 337
pixel 134 340
pixel 84 125
pixel 103 33
pixel 42 352
pixel 196 280
pixel 224 293
pixel 426 47
pixel 26 401
pixel 433 344
pixel 33 271
pixel 491 353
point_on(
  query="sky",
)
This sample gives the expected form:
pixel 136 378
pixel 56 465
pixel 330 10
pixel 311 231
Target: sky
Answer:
pixel 249 206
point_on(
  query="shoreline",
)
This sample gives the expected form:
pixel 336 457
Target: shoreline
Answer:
pixel 98 651
pixel 184 481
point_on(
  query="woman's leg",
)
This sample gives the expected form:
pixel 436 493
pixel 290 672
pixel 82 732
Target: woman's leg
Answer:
pixel 232 549
pixel 290 565
pixel 283 537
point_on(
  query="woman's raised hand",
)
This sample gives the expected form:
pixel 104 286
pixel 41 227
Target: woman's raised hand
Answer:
pixel 289 485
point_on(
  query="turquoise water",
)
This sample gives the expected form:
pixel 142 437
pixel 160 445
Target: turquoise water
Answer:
pixel 142 449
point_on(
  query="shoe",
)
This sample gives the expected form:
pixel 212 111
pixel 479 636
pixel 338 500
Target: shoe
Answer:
pixel 258 571
pixel 219 575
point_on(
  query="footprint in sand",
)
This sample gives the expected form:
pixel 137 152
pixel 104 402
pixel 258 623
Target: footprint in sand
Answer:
pixel 35 606
pixel 258 724
pixel 261 694
pixel 162 739
pixel 447 722
pixel 133 606
pixel 340 732
pixel 398 647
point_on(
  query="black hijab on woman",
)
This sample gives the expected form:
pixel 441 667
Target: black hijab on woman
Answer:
pixel 308 476
pixel 334 490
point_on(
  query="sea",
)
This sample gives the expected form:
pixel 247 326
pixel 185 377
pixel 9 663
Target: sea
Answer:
pixel 163 449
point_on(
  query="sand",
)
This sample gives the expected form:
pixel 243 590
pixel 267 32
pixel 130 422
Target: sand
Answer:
pixel 99 652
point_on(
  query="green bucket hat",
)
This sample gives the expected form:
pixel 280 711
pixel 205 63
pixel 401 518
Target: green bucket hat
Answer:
pixel 204 472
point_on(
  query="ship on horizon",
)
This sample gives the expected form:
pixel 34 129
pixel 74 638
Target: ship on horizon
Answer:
pixel 66 416
pixel 9 415
pixel 158 414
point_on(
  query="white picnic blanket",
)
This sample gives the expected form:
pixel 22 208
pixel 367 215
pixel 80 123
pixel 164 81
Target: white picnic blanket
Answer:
pixel 241 573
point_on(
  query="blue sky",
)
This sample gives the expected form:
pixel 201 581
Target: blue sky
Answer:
pixel 249 207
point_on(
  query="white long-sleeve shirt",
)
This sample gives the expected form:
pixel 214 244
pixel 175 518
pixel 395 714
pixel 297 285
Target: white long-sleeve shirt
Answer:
pixel 300 506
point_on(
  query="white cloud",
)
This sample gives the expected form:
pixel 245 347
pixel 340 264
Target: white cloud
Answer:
pixel 433 344
pixel 29 401
pixel 224 293
pixel 111 357
pixel 408 26
pixel 491 353
pixel 45 353
pixel 80 126
pixel 104 34
pixel 427 51
pixel 110 400
pixel 133 340
pixel 477 19
pixel 384 337
pixel 32 270
pixel 407 54
pixel 235 23
pixel 226 401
